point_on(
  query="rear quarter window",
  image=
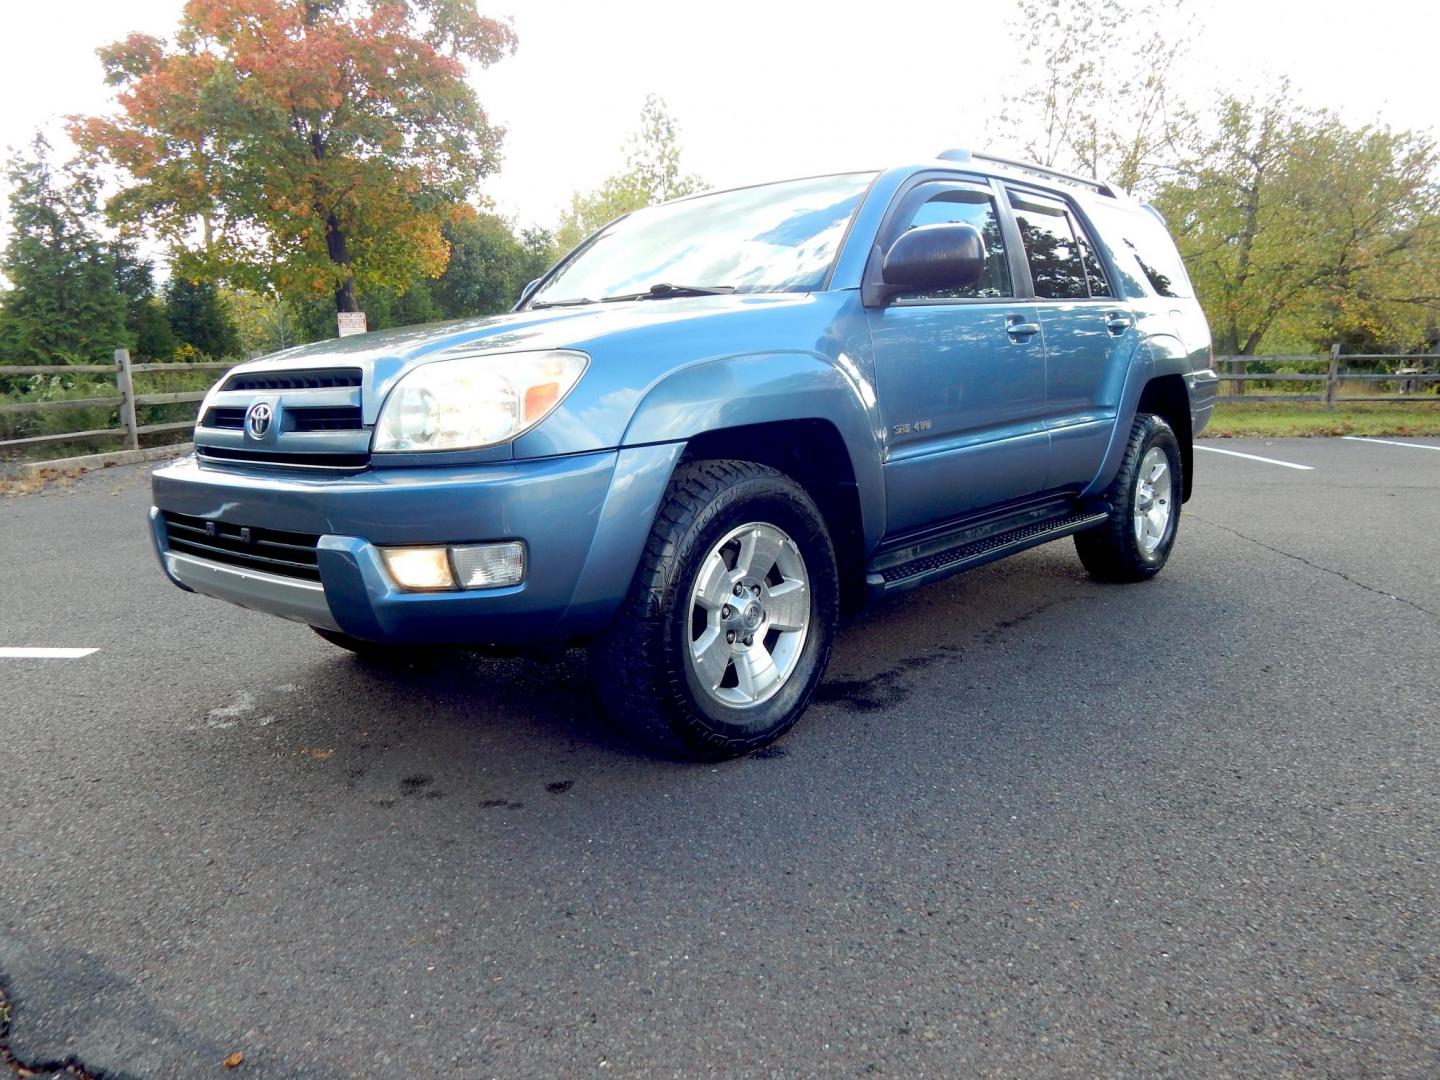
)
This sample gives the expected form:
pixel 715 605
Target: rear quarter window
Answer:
pixel 1137 238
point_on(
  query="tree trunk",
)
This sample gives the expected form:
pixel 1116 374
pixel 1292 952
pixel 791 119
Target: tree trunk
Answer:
pixel 340 256
pixel 1226 343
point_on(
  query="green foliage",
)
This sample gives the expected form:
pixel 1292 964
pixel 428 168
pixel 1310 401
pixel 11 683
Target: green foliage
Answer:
pixel 151 337
pixel 63 306
pixel 314 320
pixel 1278 420
pixel 652 174
pixel 489 265
pixel 199 318
pixel 312 146
pixel 1299 229
pixel 264 323
pixel 175 378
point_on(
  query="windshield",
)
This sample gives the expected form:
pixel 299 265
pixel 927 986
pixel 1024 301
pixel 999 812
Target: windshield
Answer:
pixel 772 238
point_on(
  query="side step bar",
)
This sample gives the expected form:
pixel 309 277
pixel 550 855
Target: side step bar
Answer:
pixel 969 553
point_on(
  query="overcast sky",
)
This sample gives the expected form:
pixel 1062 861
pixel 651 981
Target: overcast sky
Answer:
pixel 777 89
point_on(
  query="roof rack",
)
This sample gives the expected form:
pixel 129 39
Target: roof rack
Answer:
pixel 1098 186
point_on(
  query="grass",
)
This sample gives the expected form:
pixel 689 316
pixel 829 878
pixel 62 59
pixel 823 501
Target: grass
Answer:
pixel 1305 418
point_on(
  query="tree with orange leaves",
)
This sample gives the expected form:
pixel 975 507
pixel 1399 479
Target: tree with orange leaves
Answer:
pixel 302 144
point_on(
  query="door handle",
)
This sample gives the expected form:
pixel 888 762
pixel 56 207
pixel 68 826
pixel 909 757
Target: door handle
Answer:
pixel 1117 322
pixel 1019 329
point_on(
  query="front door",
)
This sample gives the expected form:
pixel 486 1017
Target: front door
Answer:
pixel 960 376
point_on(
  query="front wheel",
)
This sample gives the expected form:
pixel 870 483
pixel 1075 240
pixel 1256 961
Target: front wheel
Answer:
pixel 727 627
pixel 1136 540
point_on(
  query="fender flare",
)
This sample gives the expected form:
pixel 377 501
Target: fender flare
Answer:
pixel 1158 354
pixel 714 395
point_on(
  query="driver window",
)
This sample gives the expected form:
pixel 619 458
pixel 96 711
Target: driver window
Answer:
pixel 955 204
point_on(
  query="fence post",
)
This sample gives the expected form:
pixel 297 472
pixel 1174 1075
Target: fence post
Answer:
pixel 1332 376
pixel 126 386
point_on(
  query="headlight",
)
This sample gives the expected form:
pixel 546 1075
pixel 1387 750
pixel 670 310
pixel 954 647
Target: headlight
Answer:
pixel 474 401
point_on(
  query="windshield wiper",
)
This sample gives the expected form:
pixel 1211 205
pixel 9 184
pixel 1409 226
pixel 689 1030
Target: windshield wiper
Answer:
pixel 562 303
pixel 663 289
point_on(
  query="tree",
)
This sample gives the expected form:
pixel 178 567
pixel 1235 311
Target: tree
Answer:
pixel 198 317
pixel 1089 106
pixel 264 322
pixel 384 307
pixel 1290 221
pixel 312 145
pixel 652 174
pixel 489 265
pixel 62 306
pixel 150 335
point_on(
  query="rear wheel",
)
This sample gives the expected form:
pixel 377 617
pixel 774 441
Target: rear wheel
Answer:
pixel 1136 540
pixel 729 621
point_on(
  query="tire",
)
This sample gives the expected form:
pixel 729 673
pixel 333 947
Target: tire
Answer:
pixel 1134 543
pixel 667 670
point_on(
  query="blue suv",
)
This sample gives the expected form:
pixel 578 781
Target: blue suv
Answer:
pixel 713 428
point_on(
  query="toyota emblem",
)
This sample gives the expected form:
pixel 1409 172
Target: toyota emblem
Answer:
pixel 257 420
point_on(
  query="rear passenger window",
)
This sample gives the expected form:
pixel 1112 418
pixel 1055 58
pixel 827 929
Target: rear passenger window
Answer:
pixel 1156 254
pixel 961 204
pixel 1139 234
pixel 1057 262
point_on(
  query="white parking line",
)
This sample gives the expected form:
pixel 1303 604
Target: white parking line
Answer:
pixel 44 654
pixel 1255 457
pixel 1391 442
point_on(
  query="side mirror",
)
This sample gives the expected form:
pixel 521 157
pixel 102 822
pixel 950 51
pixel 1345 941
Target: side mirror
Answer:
pixel 926 259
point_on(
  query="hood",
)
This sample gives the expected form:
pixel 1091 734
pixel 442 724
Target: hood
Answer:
pixel 386 354
pixel 330 393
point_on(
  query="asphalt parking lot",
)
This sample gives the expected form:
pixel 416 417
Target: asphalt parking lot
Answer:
pixel 1035 826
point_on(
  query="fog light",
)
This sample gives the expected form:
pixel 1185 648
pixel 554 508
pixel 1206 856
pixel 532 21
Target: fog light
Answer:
pixel 489 566
pixel 419 568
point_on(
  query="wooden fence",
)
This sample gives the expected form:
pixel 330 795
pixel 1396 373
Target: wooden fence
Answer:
pixel 1413 377
pixel 124 401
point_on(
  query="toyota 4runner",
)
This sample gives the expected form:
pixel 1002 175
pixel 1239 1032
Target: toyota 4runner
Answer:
pixel 711 429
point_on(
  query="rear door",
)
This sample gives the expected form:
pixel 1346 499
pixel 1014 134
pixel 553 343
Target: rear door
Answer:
pixel 960 375
pixel 1089 334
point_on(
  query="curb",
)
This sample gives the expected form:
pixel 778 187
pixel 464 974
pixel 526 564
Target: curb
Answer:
pixel 72 466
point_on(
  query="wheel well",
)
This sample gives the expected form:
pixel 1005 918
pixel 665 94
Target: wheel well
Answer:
pixel 812 453
pixel 1166 397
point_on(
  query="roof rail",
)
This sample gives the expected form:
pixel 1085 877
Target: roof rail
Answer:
pixel 1098 186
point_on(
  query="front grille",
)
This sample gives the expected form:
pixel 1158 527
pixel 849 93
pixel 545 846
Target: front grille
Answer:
pixel 288 554
pixel 318 379
pixel 320 418
pixel 220 417
pixel 265 457
pixel 336 418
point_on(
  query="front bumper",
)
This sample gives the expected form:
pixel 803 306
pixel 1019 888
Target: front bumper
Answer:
pixel 578 516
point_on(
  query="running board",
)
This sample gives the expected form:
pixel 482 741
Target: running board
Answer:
pixel 969 553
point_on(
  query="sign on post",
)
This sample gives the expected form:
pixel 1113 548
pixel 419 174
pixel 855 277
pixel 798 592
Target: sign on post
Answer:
pixel 351 322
